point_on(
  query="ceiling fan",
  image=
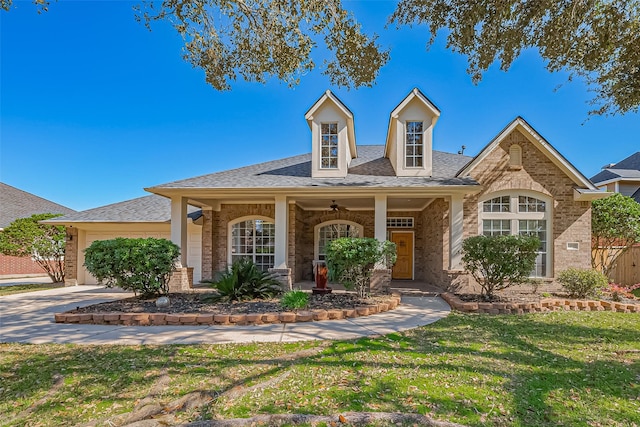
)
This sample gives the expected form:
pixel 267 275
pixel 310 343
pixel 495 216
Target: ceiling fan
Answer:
pixel 335 207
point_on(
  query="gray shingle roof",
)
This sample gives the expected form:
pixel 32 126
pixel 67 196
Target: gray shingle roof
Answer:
pixel 15 203
pixel 151 208
pixel 628 168
pixel 369 169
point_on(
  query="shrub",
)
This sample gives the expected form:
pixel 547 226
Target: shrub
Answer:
pixel 143 266
pixel 245 281
pixel 351 260
pixel 498 262
pixel 581 283
pixel 295 300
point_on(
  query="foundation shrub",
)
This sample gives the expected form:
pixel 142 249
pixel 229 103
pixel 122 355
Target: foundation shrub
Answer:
pixel 582 283
pixel 143 266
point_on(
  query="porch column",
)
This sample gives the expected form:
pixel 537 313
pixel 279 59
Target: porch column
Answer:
pixel 380 221
pixel 456 230
pixel 179 226
pixel 282 226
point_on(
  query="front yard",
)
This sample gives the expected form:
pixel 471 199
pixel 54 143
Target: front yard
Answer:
pixel 559 368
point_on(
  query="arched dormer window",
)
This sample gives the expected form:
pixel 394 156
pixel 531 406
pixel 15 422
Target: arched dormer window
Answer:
pixel 331 230
pixel 253 238
pixel 522 213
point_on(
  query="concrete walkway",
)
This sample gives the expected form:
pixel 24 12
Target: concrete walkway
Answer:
pixel 28 318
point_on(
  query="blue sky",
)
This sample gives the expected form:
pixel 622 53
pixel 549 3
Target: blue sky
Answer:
pixel 94 107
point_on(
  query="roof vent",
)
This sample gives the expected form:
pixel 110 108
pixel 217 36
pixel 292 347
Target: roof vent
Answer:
pixel 608 165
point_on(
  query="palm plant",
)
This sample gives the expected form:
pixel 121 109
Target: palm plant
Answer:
pixel 245 281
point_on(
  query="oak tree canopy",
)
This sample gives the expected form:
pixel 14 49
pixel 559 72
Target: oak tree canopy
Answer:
pixel 595 40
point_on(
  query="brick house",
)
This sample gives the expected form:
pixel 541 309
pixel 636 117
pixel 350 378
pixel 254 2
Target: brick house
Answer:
pixel 15 204
pixel 282 213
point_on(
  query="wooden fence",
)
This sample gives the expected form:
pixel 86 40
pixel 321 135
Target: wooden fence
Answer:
pixel 627 269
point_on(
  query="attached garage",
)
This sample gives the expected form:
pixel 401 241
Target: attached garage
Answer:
pixel 148 216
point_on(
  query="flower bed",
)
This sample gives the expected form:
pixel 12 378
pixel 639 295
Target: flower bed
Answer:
pixel 204 318
pixel 544 305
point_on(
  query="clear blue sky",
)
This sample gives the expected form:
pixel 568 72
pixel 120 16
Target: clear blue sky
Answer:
pixel 94 107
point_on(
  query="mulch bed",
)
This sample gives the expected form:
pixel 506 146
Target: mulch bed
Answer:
pixel 196 303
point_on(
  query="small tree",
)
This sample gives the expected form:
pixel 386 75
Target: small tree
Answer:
pixel 26 237
pixel 498 262
pixel 143 266
pixel 351 260
pixel 615 227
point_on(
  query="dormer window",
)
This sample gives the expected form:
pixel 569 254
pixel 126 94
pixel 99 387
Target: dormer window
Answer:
pixel 414 147
pixel 329 146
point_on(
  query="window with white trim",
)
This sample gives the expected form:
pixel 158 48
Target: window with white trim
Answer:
pixel 414 146
pixel 327 232
pixel 519 214
pixel 254 239
pixel 329 146
pixel 400 222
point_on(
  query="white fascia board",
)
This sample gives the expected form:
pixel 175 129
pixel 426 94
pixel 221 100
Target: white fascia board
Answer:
pixel 415 93
pixel 582 195
pixel 536 139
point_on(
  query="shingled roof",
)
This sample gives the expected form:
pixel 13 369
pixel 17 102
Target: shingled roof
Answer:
pixel 151 208
pixel 628 169
pixel 369 169
pixel 16 203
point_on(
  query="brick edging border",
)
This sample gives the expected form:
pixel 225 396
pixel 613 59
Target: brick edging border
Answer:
pixel 545 305
pixel 158 319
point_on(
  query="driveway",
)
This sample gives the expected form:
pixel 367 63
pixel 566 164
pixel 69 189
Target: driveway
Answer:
pixel 28 318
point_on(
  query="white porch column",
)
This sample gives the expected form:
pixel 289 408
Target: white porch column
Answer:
pixel 179 226
pixel 456 230
pixel 282 232
pixel 380 221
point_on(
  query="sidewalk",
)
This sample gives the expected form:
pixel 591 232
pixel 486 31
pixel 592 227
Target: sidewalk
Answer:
pixel 28 318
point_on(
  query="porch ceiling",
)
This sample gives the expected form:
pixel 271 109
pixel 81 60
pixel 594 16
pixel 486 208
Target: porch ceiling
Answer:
pixel 408 203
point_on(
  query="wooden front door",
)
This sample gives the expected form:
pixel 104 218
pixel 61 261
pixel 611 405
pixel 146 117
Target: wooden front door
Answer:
pixel 403 268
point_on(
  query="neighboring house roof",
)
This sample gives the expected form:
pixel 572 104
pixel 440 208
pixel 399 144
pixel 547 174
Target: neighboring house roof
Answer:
pixel 636 196
pixel 369 169
pixel 542 144
pixel 16 203
pixel 151 208
pixel 625 170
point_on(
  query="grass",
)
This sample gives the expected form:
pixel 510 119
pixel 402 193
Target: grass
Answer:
pixel 560 368
pixel 28 287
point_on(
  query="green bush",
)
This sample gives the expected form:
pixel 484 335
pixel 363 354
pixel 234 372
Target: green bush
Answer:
pixel 245 281
pixel 295 300
pixel 143 266
pixel 351 260
pixel 582 283
pixel 498 262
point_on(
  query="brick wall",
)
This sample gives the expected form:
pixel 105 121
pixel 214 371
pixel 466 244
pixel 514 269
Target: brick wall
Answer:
pixel 207 244
pixel 13 265
pixel 571 220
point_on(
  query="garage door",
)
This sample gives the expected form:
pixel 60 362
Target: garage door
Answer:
pixel 194 251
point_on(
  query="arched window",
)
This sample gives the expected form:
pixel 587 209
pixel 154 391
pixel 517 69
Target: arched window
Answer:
pixel 253 239
pixel 522 213
pixel 331 230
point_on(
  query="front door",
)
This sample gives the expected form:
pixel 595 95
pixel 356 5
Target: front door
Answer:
pixel 403 268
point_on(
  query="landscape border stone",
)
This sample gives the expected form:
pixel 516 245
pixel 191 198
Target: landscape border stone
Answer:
pixel 188 319
pixel 545 305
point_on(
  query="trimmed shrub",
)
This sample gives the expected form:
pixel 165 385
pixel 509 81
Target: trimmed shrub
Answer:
pixel 295 300
pixel 143 266
pixel 582 283
pixel 245 281
pixel 351 260
pixel 498 262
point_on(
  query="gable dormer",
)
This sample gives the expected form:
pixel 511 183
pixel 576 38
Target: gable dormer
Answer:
pixel 410 135
pixel 333 141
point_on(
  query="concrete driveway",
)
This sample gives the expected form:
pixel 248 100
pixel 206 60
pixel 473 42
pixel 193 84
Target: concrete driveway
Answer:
pixel 28 318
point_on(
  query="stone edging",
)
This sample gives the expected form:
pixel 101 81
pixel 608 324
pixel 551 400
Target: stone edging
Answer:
pixel 157 319
pixel 545 305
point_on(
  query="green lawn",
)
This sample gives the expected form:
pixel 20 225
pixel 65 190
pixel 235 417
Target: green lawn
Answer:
pixel 561 368
pixel 28 287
